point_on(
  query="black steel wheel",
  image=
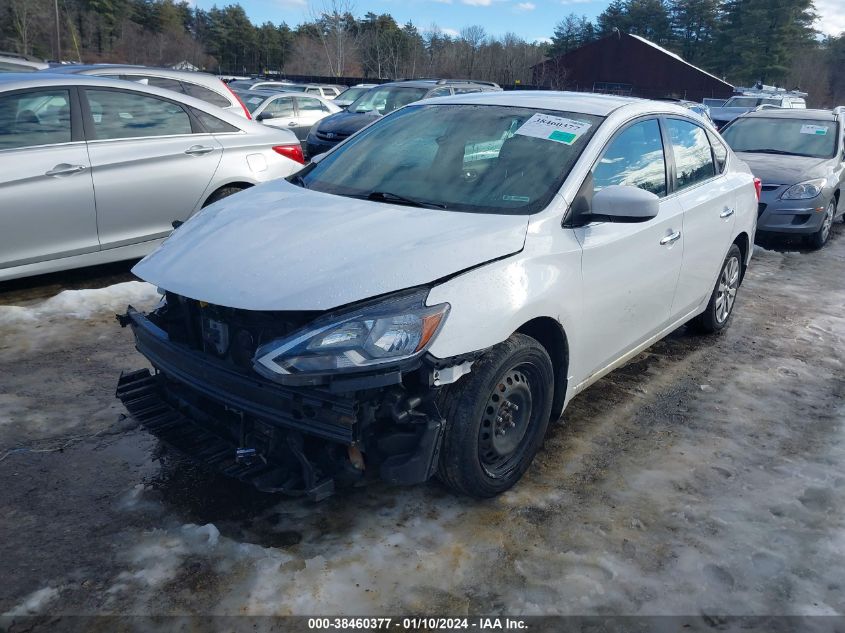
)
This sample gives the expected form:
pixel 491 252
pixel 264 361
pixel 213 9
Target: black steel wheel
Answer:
pixel 496 418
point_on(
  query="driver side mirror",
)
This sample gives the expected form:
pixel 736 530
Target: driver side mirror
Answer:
pixel 264 116
pixel 625 203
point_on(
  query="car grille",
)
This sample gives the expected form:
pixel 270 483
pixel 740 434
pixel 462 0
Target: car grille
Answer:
pixel 760 208
pixel 228 334
pixel 333 137
pixel 770 187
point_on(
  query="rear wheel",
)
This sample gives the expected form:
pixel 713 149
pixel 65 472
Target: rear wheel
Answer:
pixel 496 418
pixel 223 192
pixel 720 307
pixel 819 239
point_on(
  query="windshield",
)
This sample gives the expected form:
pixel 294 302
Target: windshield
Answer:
pixel 749 102
pixel 801 137
pixel 251 101
pixel 350 94
pixel 481 158
pixel 386 99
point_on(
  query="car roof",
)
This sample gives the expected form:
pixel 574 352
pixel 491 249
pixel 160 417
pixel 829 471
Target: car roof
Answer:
pixel 792 113
pixel 434 83
pixel 81 69
pixel 583 102
pixel 46 79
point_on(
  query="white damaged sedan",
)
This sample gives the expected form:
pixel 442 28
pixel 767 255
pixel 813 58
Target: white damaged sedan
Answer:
pixel 425 298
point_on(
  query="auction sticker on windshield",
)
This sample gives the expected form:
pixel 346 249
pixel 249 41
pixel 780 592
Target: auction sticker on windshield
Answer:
pixel 553 128
pixel 821 130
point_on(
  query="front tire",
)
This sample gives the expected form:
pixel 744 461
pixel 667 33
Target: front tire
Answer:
pixel 717 315
pixel 819 238
pixel 496 418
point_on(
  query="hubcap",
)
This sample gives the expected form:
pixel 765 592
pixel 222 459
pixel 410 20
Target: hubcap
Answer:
pixel 726 294
pixel 507 416
pixel 828 222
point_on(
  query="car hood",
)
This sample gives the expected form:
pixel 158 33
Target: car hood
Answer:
pixel 280 247
pixel 346 123
pixel 784 170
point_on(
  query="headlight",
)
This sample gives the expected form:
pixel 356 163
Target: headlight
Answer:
pixel 804 190
pixel 395 329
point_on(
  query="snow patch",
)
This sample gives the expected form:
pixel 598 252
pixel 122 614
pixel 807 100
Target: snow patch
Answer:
pixel 81 304
pixel 35 602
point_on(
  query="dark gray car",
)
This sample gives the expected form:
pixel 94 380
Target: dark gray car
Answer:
pixel 800 157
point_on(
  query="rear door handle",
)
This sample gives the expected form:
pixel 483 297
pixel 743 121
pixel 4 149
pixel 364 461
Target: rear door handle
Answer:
pixel 726 213
pixel 63 169
pixel 198 150
pixel 669 239
pixel 292 124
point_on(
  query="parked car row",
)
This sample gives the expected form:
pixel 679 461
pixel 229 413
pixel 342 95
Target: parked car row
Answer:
pixel 379 101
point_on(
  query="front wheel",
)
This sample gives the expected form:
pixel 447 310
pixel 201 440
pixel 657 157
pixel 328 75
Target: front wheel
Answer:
pixel 720 307
pixel 820 237
pixel 496 418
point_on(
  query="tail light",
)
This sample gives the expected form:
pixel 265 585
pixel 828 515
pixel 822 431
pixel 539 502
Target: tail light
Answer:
pixel 294 152
pixel 758 188
pixel 238 99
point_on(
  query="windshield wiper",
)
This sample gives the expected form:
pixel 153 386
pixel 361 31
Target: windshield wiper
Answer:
pixel 774 151
pixel 387 196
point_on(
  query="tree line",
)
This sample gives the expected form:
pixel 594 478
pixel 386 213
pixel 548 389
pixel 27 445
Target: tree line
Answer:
pixel 742 40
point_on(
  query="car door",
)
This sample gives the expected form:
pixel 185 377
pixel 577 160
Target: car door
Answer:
pixel 708 199
pixel 283 114
pixel 310 111
pixel 151 163
pixel 630 269
pixel 47 209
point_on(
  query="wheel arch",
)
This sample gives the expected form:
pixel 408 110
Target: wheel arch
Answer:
pixel 240 184
pixel 551 335
pixel 743 242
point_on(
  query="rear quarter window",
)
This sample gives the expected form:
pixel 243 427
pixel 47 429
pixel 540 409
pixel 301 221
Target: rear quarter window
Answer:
pixel 206 94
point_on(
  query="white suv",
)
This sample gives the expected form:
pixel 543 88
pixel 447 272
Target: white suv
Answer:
pixel 429 295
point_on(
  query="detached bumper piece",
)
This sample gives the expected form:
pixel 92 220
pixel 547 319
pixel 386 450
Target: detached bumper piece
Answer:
pixel 293 440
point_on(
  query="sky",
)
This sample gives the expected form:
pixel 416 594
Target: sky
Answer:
pixel 530 19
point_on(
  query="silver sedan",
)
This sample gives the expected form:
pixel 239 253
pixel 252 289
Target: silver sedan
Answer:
pixel 97 170
pixel 296 112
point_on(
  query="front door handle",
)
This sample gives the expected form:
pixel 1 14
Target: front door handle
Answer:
pixel 292 124
pixel 669 239
pixel 198 150
pixel 726 213
pixel 63 169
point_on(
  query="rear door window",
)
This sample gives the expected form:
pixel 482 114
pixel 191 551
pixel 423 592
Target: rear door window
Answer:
pixel 212 123
pixel 634 158
pixel 310 105
pixel 30 119
pixel 693 156
pixel 281 107
pixel 117 114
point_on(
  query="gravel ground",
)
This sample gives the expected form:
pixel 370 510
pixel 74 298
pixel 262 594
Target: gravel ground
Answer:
pixel 705 477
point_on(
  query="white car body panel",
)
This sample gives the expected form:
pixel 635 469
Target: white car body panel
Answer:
pixel 347 250
pixel 612 287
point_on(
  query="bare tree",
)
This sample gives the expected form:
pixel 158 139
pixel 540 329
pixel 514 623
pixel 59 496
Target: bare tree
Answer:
pixel 336 23
pixel 25 14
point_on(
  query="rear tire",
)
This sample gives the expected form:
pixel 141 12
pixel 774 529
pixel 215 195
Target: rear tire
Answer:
pixel 223 192
pixel 719 310
pixel 496 418
pixel 819 239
